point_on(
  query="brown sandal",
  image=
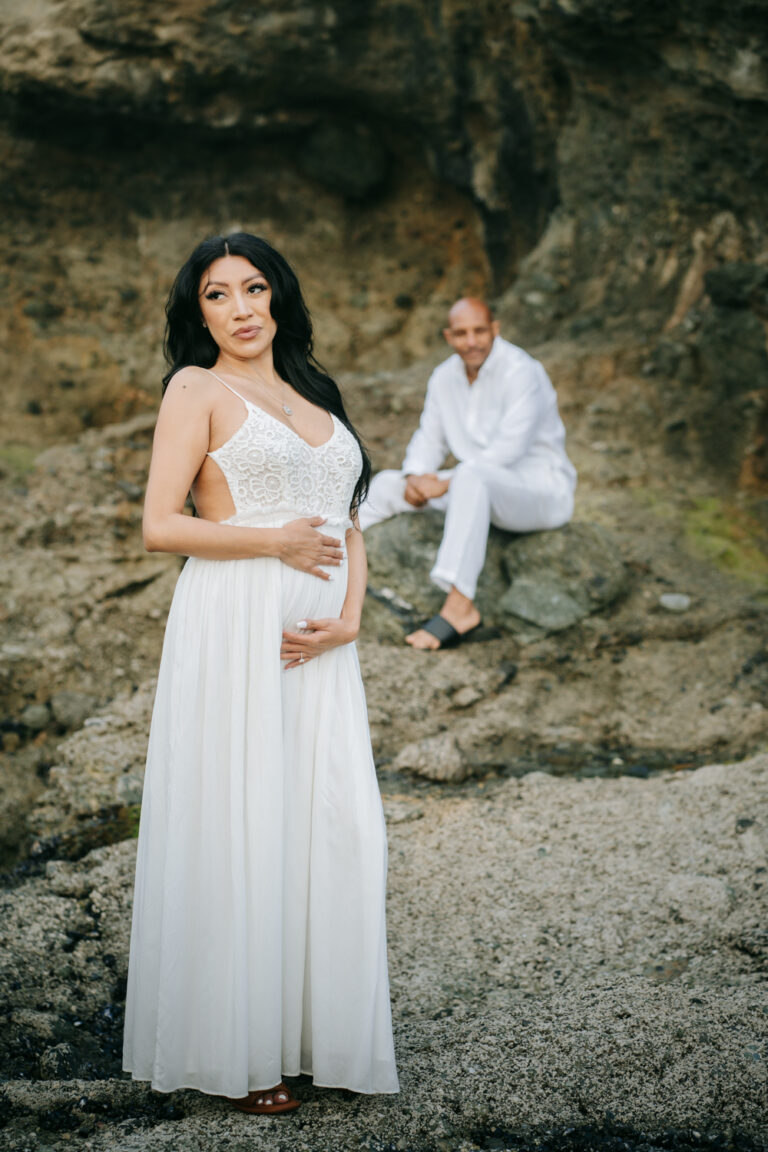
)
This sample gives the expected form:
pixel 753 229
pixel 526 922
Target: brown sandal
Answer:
pixel 265 1103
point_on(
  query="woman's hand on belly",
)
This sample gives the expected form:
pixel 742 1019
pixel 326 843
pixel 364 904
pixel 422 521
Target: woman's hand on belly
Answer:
pixel 303 547
pixel 315 637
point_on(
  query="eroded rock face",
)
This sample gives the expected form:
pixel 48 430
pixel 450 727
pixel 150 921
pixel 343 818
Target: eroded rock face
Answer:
pixel 297 70
pixel 586 164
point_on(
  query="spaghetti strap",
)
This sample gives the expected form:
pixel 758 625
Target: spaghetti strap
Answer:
pixel 248 403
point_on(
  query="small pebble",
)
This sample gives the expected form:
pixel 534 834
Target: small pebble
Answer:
pixel 36 717
pixel 466 696
pixel 675 601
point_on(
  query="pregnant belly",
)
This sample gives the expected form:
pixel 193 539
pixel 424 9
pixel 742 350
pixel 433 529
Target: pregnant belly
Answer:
pixel 302 595
pixel 307 597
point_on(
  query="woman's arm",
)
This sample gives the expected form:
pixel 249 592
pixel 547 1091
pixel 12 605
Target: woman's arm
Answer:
pixel 357 579
pixel 179 449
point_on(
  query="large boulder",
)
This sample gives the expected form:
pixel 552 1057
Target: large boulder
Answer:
pixel 549 580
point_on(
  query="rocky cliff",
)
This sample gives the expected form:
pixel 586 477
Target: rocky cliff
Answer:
pixel 599 168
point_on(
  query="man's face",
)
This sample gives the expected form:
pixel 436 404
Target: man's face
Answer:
pixel 471 333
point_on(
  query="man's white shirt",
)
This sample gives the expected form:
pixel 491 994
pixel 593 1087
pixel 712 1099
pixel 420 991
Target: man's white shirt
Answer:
pixel 508 414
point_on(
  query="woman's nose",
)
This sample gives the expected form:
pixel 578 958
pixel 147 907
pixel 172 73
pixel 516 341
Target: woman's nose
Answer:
pixel 243 304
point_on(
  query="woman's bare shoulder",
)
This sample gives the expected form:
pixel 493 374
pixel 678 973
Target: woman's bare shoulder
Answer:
pixel 191 385
pixel 192 376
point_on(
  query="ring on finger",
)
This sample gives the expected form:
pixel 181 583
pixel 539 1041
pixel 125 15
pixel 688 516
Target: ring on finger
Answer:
pixel 301 657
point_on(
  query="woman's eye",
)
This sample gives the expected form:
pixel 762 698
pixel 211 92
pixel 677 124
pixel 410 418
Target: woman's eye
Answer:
pixel 257 287
pixel 214 294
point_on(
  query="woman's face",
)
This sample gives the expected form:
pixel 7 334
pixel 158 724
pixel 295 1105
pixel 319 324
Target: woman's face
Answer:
pixel 234 301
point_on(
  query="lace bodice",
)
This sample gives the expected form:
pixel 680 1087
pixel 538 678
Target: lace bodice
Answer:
pixel 271 470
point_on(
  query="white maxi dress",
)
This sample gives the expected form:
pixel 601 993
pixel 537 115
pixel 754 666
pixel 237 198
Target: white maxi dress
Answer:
pixel 258 943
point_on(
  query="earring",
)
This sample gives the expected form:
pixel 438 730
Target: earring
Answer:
pixel 204 324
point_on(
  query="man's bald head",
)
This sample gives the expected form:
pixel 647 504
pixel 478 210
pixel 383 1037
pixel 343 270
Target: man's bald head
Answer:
pixel 471 331
pixel 469 308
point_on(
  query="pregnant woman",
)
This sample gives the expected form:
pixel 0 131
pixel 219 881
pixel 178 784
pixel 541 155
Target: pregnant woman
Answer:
pixel 258 946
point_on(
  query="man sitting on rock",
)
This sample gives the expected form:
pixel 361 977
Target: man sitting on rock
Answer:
pixel 493 407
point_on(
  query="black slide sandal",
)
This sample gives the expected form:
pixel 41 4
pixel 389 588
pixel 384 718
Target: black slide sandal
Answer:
pixel 439 627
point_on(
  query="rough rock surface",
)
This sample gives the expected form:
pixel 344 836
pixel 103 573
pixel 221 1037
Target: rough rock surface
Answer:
pixel 599 168
pixel 548 579
pixel 564 953
pixel 630 682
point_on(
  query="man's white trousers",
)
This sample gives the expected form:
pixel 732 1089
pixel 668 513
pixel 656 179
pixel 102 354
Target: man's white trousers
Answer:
pixel 528 497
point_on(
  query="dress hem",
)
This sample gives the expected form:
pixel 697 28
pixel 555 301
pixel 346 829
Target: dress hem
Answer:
pixel 266 1088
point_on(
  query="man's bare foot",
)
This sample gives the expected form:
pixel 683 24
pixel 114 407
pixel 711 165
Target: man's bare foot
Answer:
pixel 460 613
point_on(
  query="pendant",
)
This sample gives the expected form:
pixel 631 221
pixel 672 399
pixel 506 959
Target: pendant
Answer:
pixel 288 411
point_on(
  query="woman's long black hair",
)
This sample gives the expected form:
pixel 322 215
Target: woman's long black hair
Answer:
pixel 188 342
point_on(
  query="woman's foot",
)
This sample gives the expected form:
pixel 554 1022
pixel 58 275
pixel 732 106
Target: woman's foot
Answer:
pixel 461 614
pixel 266 1103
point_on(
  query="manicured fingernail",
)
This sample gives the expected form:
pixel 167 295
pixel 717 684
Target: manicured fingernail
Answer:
pixel 302 624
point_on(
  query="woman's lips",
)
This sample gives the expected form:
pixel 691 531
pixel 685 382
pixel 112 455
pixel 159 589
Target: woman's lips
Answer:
pixel 247 333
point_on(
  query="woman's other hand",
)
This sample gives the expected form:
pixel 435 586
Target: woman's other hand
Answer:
pixel 314 638
pixel 303 547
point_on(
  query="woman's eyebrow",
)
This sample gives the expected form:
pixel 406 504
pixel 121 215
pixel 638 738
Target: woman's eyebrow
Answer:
pixel 224 284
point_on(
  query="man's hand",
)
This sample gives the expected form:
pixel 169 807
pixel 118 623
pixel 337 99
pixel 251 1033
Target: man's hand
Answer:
pixel 419 489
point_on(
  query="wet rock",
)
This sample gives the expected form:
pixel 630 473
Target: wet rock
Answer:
pixel 61 957
pixel 436 758
pixel 58 1063
pixel 548 579
pixel 675 601
pixel 35 717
